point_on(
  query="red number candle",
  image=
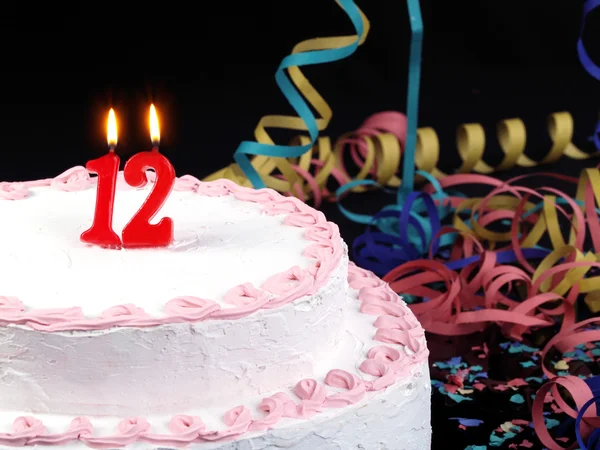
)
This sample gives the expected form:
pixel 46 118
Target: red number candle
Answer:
pixel 139 232
pixel 106 167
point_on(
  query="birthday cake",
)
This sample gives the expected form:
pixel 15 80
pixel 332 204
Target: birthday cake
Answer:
pixel 250 330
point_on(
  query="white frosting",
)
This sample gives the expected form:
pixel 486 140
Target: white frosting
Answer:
pixel 220 242
pixel 170 368
pixel 397 418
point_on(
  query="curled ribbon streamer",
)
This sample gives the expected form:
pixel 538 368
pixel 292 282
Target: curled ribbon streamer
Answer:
pixel 304 167
pixel 296 88
pixel 585 395
pixel 376 147
pixel 412 98
pixel 474 272
pixel 590 66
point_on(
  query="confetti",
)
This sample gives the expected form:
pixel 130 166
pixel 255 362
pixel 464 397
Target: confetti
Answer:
pixel 561 365
pixel 508 426
pixel 521 422
pixel 517 398
pixel 534 379
pixel 528 364
pixel 517 347
pixel 468 422
pixel 502 387
pixel 497 441
pixel 458 398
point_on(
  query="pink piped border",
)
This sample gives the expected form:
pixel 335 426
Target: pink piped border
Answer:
pixel 325 247
pixel 395 324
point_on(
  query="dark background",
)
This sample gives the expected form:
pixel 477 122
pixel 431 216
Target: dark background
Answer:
pixel 209 66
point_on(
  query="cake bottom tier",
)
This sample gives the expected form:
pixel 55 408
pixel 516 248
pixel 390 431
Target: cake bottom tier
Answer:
pixel 373 393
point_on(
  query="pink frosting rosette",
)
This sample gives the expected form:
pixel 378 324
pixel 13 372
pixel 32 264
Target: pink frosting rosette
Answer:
pixel 238 420
pixel 184 429
pixel 186 183
pixel 10 306
pixel 412 339
pixel 13 191
pixel 182 424
pixel 24 429
pixel 191 308
pixel 407 322
pixel 304 219
pixel 287 281
pixel 359 278
pixel 281 206
pixel 383 293
pixel 125 314
pixel 377 307
pixel 319 249
pixel 213 189
pixel 322 267
pixel 247 300
pixel 289 406
pixel 385 374
pixel 320 231
pixel 75 179
pixel 274 407
pixel 255 195
pixel 53 319
pixel 128 310
pixel 133 426
pixel 313 396
pixel 341 379
pixel 287 285
pixel 392 357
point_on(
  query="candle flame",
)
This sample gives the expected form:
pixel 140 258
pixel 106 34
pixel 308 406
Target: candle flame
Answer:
pixel 154 127
pixel 111 129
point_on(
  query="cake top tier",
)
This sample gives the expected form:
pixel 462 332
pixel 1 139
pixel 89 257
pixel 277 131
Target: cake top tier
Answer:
pixel 235 251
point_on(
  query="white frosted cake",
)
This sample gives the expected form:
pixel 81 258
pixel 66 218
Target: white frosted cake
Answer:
pixel 250 331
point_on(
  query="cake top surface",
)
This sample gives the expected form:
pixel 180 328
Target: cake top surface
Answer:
pixel 233 247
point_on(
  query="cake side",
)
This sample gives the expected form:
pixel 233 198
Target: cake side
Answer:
pixel 372 393
pixel 185 350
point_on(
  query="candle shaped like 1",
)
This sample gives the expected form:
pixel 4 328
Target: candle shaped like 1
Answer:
pixel 139 232
pixel 106 167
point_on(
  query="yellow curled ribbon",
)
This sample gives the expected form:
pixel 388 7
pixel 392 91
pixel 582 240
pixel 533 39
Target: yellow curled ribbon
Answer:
pixel 377 145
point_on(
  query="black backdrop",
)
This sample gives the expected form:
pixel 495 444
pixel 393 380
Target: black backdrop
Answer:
pixel 209 67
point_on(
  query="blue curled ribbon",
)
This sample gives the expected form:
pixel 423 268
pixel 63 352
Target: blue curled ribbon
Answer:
pixel 594 439
pixel 412 97
pixel 407 230
pixel 291 93
pixel 590 66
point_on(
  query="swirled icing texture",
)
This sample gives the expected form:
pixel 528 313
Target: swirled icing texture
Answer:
pixel 233 320
pixel 369 394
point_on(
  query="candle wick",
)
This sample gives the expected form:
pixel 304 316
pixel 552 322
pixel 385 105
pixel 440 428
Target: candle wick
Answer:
pixel 155 148
pixel 111 148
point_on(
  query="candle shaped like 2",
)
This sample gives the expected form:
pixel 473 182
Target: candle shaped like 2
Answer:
pixel 139 232
pixel 106 167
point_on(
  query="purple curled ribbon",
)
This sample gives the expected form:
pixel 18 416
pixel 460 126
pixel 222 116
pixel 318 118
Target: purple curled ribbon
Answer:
pixel 590 66
pixel 593 442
